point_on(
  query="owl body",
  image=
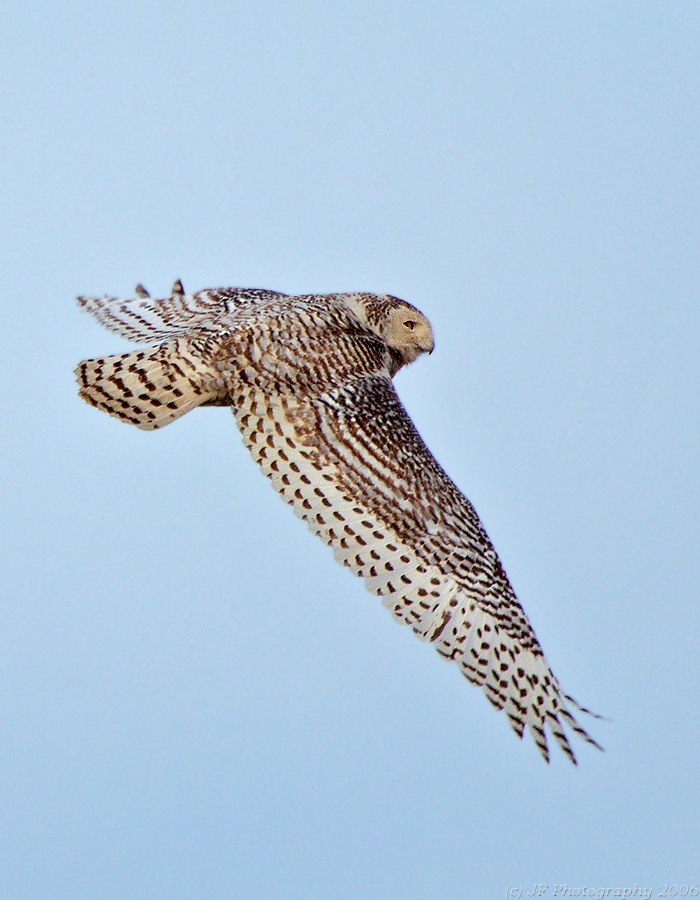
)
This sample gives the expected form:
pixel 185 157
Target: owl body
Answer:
pixel 306 350
pixel 309 380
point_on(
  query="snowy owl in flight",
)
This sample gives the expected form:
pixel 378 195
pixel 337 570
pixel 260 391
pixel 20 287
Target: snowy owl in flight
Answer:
pixel 309 380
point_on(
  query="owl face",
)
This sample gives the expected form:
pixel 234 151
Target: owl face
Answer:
pixel 401 326
pixel 408 331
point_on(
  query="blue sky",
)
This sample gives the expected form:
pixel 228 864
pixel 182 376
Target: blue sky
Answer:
pixel 195 702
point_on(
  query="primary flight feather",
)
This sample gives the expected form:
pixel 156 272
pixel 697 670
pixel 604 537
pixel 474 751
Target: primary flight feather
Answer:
pixel 309 380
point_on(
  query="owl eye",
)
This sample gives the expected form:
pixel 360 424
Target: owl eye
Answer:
pixel 410 324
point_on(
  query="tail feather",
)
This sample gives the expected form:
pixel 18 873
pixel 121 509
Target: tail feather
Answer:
pixel 151 388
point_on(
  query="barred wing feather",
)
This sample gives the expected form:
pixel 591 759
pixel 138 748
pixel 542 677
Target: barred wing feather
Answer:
pixel 145 318
pixel 354 467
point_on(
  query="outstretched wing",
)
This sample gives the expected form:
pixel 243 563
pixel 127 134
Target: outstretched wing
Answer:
pixel 145 318
pixel 354 467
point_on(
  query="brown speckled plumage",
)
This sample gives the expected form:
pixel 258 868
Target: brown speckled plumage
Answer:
pixel 309 382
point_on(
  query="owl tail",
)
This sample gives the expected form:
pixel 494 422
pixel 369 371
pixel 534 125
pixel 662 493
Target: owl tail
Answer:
pixel 151 388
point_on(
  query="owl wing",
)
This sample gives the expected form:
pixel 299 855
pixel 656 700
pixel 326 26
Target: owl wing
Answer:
pixel 145 318
pixel 354 467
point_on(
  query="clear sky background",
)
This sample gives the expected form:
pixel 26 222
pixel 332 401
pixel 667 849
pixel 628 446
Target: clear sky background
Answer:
pixel 196 703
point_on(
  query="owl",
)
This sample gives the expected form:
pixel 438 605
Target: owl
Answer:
pixel 309 381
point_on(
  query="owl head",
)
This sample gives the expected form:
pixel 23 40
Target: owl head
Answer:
pixel 402 327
